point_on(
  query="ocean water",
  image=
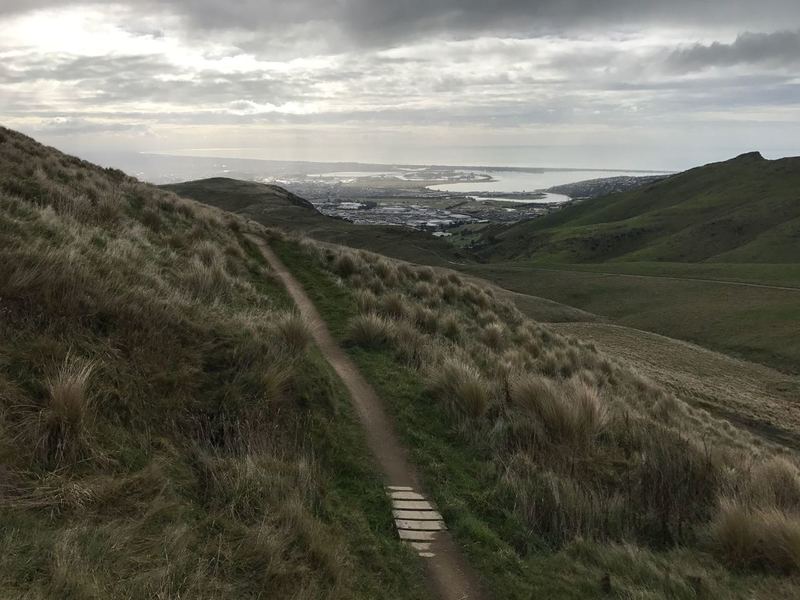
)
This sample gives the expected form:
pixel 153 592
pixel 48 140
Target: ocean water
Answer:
pixel 515 181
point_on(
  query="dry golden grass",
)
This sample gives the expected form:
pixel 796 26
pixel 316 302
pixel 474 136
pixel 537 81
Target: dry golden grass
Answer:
pixel 757 538
pixel 63 434
pixel 570 413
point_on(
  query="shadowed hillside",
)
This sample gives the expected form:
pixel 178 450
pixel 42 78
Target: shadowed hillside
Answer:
pixel 745 210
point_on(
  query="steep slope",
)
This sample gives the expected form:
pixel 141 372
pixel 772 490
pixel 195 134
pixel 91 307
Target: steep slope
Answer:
pixel 274 206
pixel 743 210
pixel 166 431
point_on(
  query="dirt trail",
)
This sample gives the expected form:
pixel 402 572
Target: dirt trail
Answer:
pixel 446 567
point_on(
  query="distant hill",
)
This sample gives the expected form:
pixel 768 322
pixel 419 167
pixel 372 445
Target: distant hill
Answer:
pixel 744 210
pixel 274 206
pixel 246 198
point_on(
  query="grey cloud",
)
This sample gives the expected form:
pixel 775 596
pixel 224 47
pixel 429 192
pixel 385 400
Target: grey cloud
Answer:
pixel 781 48
pixel 379 22
pixel 79 126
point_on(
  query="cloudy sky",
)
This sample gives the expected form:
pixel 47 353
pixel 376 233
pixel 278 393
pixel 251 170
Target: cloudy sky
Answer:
pixel 581 83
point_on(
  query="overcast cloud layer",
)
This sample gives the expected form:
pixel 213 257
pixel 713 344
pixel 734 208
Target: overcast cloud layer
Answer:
pixel 620 83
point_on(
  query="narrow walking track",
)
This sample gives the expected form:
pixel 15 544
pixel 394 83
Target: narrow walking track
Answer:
pixel 417 521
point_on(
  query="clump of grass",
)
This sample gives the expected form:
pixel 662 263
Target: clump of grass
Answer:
pixel 570 414
pixel 449 292
pixel 386 271
pixel 765 538
pixel 775 482
pixel 462 387
pixel 366 301
pixel 370 330
pixel 393 305
pixel 423 290
pixel 426 319
pixel 207 281
pixel 293 331
pixel 494 336
pixel 409 344
pixel 63 435
pixel 425 274
pixel 346 265
pixel 471 294
pixel 449 326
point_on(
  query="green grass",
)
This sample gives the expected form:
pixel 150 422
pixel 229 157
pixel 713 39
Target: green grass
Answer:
pixel 756 324
pixel 743 210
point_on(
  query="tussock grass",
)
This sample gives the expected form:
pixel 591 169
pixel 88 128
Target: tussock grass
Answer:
pixel 370 330
pixel 346 265
pixel 461 387
pixel 775 482
pixel 571 413
pixel 393 305
pixel 294 332
pixel 366 300
pixel 63 428
pixel 494 336
pixel 764 538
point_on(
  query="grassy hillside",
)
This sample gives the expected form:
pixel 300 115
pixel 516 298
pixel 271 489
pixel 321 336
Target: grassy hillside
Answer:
pixel 760 324
pixel 165 429
pixel 745 210
pixel 560 472
pixel 274 206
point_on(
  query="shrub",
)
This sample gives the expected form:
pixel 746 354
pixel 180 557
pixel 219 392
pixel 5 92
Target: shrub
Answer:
pixel 462 387
pixel 757 538
pixel 370 330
